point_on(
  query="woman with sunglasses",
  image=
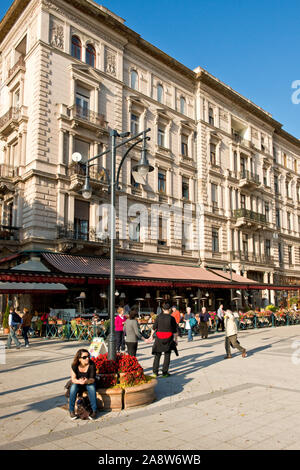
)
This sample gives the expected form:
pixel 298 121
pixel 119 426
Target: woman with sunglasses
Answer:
pixel 83 375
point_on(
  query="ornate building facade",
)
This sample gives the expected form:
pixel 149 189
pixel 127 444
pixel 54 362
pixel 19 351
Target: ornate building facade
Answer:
pixel 70 73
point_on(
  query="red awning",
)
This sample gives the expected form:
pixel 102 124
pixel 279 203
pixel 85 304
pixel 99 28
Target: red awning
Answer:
pixel 140 273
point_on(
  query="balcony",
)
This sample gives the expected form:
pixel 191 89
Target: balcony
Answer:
pixel 253 258
pixel 239 139
pixel 248 217
pixel 9 233
pixel 76 172
pixel 84 117
pixel 248 179
pixel 9 121
pixel 19 65
pixel 71 232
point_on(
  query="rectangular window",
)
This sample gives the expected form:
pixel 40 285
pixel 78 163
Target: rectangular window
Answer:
pixel 212 150
pixel 268 248
pixel 276 187
pixel 290 254
pixel 288 216
pixel 82 102
pixel 83 148
pixel 245 245
pixel 280 253
pixel 161 137
pixel 243 201
pixel 134 124
pixel 277 218
pixel 81 220
pixel 267 211
pixel 215 240
pixel 134 231
pixel 184 145
pixel 214 196
pixel 287 189
pixel 162 232
pixel 162 182
pixel 185 188
pixel 211 116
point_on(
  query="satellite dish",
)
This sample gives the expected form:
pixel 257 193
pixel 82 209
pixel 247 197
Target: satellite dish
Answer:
pixel 76 157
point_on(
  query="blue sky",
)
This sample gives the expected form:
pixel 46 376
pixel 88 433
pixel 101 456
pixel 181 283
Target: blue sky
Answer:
pixel 252 46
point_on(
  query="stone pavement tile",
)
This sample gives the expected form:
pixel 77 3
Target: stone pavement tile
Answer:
pixel 73 443
pixel 243 442
pixel 47 446
pixel 171 443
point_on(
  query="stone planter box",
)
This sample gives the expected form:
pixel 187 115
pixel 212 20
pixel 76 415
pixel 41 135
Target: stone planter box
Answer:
pixel 116 399
pixel 110 399
pixel 140 395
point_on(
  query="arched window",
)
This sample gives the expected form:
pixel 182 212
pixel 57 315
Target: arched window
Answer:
pixel 76 47
pixel 160 93
pixel 134 79
pixel 182 105
pixel 90 55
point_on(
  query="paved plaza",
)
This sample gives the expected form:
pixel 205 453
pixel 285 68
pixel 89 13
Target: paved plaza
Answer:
pixel 209 402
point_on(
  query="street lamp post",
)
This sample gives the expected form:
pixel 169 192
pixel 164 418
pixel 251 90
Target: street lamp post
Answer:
pixel 143 168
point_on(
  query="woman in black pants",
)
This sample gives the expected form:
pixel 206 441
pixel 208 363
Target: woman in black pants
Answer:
pixel 132 333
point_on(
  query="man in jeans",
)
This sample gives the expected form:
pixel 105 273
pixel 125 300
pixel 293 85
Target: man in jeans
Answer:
pixel 14 322
pixel 231 335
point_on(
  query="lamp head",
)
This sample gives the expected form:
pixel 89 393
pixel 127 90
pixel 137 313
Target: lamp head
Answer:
pixel 76 157
pixel 86 190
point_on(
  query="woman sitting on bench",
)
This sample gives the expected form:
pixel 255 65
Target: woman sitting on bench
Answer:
pixel 83 374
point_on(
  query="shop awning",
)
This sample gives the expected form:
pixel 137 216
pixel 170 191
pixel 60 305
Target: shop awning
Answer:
pixel 141 273
pixel 31 288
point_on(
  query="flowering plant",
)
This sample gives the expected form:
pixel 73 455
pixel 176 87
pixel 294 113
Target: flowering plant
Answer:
pixel 132 370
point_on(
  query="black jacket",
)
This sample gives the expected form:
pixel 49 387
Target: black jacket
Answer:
pixel 165 323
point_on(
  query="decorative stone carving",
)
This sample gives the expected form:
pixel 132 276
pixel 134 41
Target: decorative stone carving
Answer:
pixel 110 62
pixel 56 34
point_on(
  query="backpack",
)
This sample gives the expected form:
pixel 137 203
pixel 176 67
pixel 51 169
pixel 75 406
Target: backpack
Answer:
pixel 193 322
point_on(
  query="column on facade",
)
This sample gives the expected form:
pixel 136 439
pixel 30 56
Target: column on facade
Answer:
pixel 220 199
pixel 60 207
pixel 71 146
pixel 61 147
pixel 71 210
pixel 218 153
pixel 23 151
pixel 206 110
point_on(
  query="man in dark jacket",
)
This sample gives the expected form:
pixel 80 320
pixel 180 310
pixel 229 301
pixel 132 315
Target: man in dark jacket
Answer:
pixel 165 327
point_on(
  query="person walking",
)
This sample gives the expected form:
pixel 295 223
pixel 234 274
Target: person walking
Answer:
pixel 44 319
pixel 165 342
pixel 26 324
pixel 177 315
pixel 14 322
pixel 231 335
pixel 132 333
pixel 220 317
pixel 83 375
pixel 204 323
pixel 187 318
pixel 119 329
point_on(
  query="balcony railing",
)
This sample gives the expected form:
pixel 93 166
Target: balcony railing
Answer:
pixel 72 232
pixel 85 114
pixel 240 140
pixel 248 214
pixel 252 257
pixel 9 233
pixel 252 177
pixel 8 171
pixel 94 172
pixel 19 64
pixel 12 114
